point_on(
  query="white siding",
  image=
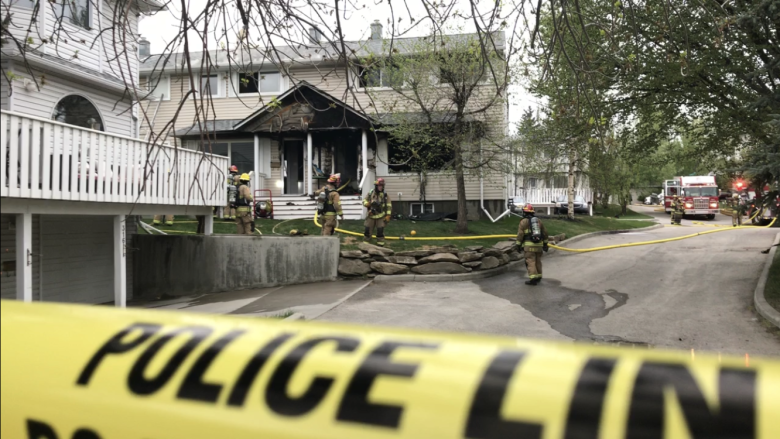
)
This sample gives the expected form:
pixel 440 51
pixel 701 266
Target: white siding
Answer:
pixel 8 253
pixel 78 258
pixel 5 98
pixel 117 118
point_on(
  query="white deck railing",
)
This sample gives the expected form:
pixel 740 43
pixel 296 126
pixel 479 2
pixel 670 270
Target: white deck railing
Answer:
pixel 49 160
pixel 549 195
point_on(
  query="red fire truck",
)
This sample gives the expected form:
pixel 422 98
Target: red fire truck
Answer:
pixel 698 192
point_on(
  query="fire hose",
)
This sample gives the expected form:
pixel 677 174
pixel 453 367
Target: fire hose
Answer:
pixel 573 250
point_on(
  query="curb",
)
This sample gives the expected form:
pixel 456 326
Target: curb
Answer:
pixel 762 306
pixel 607 232
pixel 383 278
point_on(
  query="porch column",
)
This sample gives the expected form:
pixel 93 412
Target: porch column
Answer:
pixel 24 257
pixel 120 262
pixel 208 226
pixel 257 165
pixel 309 163
pixel 364 154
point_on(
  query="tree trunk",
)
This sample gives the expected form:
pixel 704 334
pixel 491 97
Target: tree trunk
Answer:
pixel 462 225
pixel 572 157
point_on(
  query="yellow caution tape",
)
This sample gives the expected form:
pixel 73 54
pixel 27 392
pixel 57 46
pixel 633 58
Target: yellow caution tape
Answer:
pixel 74 371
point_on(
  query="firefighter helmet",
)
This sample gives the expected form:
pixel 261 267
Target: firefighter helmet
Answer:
pixel 735 196
pixel 234 168
pixel 244 177
pixel 528 208
pixel 379 182
pixel 334 178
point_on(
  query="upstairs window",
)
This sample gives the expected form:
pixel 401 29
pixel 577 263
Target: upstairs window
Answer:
pixel 159 88
pixel 385 76
pixel 259 82
pixel 209 85
pixel 79 111
pixel 76 12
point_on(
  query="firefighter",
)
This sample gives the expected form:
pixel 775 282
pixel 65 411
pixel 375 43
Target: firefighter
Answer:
pixel 158 219
pixel 532 239
pixel 232 191
pixel 379 210
pixel 678 210
pixel 329 205
pixel 737 207
pixel 243 206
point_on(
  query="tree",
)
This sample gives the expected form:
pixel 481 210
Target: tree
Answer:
pixel 450 85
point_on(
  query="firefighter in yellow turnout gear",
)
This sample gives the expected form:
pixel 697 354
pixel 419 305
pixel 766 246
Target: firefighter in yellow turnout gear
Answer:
pixel 243 207
pixel 329 205
pixel 532 238
pixel 678 210
pixel 379 210
pixel 158 219
pixel 233 182
pixel 737 207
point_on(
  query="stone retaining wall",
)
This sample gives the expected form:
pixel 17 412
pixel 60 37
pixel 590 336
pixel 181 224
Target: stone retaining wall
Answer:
pixel 371 260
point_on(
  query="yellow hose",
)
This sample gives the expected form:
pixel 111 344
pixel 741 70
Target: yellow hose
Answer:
pixel 573 250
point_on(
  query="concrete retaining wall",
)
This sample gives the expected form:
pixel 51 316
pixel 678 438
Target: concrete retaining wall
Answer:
pixel 183 265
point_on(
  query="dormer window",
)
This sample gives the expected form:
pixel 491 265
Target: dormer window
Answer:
pixel 76 12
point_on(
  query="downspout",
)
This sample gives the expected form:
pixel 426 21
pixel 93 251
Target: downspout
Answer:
pixel 482 191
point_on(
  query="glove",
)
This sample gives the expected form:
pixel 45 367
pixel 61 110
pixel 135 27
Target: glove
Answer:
pixel 387 218
pixel 545 247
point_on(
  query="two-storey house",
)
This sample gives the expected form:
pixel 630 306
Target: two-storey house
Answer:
pixel 74 172
pixel 293 115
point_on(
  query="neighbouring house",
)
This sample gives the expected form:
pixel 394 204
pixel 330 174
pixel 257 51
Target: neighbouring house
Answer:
pixel 295 125
pixel 74 173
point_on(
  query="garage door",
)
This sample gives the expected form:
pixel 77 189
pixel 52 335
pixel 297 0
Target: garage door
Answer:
pixel 77 258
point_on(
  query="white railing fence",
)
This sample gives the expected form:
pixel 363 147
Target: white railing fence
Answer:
pixel 45 159
pixel 549 195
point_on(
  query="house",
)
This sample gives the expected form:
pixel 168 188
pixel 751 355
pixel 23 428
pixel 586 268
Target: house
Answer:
pixel 294 125
pixel 74 173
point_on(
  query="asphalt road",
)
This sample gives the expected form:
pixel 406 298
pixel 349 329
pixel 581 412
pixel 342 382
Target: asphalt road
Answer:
pixel 689 294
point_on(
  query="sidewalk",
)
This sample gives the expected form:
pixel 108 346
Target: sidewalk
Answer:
pixel 311 300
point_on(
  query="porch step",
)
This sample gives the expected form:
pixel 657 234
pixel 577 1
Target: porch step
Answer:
pixel 298 207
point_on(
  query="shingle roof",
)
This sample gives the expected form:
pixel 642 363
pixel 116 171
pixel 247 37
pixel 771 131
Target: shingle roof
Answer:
pixel 211 126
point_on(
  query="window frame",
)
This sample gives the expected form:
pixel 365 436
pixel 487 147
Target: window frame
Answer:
pixel 59 14
pixel 381 85
pixel 150 90
pixel 237 84
pixel 220 85
pixel 422 208
pixel 99 114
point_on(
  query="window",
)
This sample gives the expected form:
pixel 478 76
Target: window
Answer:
pixel 421 208
pixel 27 4
pixel 531 182
pixel 413 156
pixel 386 76
pixel 159 88
pixel 78 12
pixel 259 82
pixel 209 85
pixel 560 181
pixel 79 111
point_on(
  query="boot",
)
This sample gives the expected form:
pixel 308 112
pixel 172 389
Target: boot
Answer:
pixel 367 235
pixel 533 281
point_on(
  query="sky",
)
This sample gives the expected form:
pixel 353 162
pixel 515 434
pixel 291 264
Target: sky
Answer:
pixel 162 27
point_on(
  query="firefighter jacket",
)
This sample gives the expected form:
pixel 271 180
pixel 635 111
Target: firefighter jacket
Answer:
pixel 524 236
pixel 333 204
pixel 244 199
pixel 381 201
pixel 678 206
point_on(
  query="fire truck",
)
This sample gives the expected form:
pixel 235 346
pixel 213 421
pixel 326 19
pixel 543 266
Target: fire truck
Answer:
pixel 698 192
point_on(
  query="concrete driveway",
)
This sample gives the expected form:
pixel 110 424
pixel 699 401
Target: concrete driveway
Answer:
pixel 689 294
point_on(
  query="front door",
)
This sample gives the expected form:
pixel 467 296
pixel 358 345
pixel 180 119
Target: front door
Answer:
pixel 292 167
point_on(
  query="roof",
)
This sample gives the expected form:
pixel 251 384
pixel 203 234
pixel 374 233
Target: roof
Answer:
pixel 147 6
pixel 35 56
pixel 211 126
pixel 299 88
pixel 418 117
pixel 322 53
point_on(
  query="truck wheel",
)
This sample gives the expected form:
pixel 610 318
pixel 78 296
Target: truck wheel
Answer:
pixel 711 217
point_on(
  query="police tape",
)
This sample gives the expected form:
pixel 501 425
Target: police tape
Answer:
pixel 81 372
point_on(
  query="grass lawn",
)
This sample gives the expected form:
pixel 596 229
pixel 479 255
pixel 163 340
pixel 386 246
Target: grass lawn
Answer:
pixel 772 290
pixel 505 226
pixel 614 209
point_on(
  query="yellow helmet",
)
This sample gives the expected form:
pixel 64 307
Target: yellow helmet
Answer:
pixel 244 177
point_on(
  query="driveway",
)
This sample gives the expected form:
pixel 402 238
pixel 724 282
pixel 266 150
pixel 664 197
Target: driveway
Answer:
pixel 689 294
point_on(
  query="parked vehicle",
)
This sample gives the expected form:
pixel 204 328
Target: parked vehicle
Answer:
pixel 653 199
pixel 515 204
pixel 562 204
pixel 699 194
pixel 768 213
